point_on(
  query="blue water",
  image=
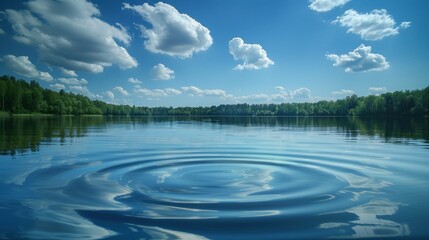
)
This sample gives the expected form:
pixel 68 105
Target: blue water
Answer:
pixel 213 178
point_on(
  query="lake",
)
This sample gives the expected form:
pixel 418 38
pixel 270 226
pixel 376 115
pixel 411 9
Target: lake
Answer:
pixel 213 178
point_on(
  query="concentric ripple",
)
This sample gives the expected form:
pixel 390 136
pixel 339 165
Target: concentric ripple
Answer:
pixel 160 188
pixel 231 183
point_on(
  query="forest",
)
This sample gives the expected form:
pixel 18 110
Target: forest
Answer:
pixel 19 96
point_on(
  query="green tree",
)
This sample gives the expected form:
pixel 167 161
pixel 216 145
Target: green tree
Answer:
pixel 3 90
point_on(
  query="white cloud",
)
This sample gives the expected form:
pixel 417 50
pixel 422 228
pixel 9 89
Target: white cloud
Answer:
pixel 98 96
pixel 45 76
pixel 73 81
pixel 326 5
pixel 377 90
pixel 172 33
pixel 280 88
pixel 257 97
pixel 157 92
pixel 70 35
pixel 67 72
pixel 282 96
pixel 121 90
pixel 372 26
pixel 343 92
pixel 57 86
pixel 172 91
pixel 23 66
pixel 82 90
pixel 1 31
pixel 109 94
pixel 195 91
pixel 253 55
pixel 161 72
pixel 151 92
pixel 300 93
pixel 360 60
pixel 134 81
pixel 405 25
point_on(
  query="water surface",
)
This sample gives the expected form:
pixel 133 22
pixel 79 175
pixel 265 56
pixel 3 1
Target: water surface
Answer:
pixel 213 178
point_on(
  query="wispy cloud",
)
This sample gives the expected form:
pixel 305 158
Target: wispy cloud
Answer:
pixel 326 5
pixel 67 72
pixel 73 81
pixel 82 90
pixel 343 92
pixel 157 93
pixel 23 66
pixel 377 90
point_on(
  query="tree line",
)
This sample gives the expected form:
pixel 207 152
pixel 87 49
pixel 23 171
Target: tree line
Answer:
pixel 19 96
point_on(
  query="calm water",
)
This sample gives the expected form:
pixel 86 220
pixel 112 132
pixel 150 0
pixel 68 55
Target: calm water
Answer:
pixel 213 178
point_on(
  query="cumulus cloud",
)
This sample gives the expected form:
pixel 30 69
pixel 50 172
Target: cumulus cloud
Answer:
pixel 326 5
pixel 82 90
pixel 67 72
pixel 360 60
pixel 405 25
pixel 134 81
pixel 300 93
pixel 1 31
pixel 284 94
pixel 23 66
pixel 161 72
pixel 157 92
pixel 109 95
pixel 343 92
pixel 195 91
pixel 73 81
pixel 377 90
pixel 172 33
pixel 121 90
pixel 281 96
pixel 372 26
pixel 57 86
pixel 253 55
pixel 68 34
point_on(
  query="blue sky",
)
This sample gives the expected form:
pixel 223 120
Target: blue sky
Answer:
pixel 191 53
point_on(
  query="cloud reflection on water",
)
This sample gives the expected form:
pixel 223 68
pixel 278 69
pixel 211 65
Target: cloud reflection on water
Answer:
pixel 370 222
